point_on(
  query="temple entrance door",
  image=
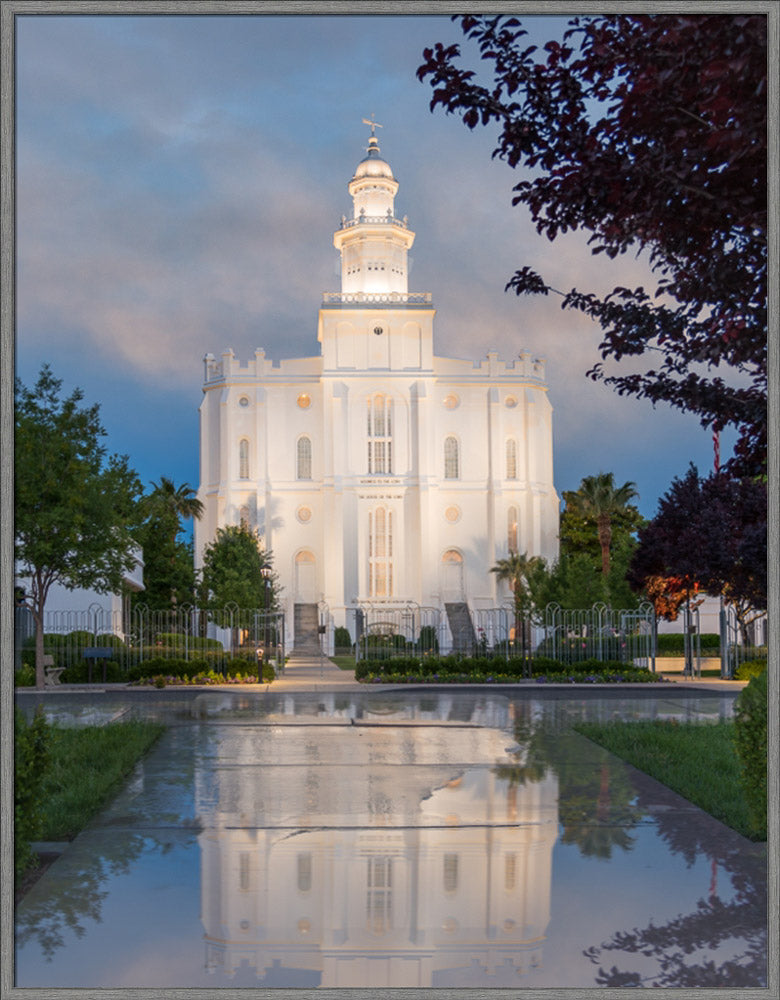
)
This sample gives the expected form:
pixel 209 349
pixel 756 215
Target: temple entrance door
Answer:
pixel 452 577
pixel 305 578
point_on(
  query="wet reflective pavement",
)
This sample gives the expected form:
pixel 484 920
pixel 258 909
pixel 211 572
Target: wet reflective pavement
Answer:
pixel 351 839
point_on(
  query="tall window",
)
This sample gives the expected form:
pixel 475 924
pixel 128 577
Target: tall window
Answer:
pixel 304 458
pixel 380 435
pixel 379 894
pixel 511 529
pixel 450 872
pixel 511 459
pixel 510 871
pixel 380 552
pixel 243 870
pixel 243 516
pixel 451 470
pixel 243 459
pixel 304 872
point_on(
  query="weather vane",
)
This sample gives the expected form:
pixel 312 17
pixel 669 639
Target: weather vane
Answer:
pixel 374 125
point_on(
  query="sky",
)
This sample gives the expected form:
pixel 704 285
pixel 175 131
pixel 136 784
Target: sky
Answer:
pixel 179 181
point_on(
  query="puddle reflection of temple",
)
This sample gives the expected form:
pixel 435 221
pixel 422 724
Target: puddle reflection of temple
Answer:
pixel 343 869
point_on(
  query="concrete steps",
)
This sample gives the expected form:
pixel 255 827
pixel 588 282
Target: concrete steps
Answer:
pixel 306 635
pixel 464 638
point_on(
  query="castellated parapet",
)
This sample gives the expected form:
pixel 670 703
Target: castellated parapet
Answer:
pixel 525 367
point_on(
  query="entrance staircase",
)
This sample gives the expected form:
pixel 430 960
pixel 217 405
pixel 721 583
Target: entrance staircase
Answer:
pixel 306 623
pixel 464 638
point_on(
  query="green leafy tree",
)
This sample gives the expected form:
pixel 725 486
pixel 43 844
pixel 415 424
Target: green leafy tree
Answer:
pixel 236 569
pixel 648 133
pixel 76 509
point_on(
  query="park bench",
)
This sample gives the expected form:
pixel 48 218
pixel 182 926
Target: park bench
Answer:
pixel 52 673
pixel 100 653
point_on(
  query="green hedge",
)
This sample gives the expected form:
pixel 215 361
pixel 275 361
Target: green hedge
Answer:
pixel 78 672
pixel 673 644
pixel 176 640
pixel 750 716
pixel 474 669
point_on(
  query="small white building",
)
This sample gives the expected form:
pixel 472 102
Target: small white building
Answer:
pixel 378 473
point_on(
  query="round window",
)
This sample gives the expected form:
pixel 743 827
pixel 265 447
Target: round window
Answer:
pixel 511 402
pixel 243 401
pixel 378 331
pixel 303 514
pixel 452 514
pixel 451 401
pixel 304 401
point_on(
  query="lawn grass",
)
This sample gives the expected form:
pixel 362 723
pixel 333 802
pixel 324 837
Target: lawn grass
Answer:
pixel 696 760
pixel 86 767
pixel 344 662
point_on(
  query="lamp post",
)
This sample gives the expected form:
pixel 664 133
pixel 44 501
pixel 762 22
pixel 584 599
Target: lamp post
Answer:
pixel 267 597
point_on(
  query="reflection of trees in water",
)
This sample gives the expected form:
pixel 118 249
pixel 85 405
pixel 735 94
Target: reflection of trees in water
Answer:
pixel 678 948
pixel 74 895
pixel 598 804
pixel 71 894
pixel 595 796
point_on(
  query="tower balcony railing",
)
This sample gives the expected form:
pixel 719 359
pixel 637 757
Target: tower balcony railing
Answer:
pixel 374 220
pixel 377 298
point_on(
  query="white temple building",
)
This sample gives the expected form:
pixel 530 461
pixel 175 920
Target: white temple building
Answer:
pixel 377 473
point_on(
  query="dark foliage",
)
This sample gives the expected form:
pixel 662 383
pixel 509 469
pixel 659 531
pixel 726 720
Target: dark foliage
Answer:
pixel 673 163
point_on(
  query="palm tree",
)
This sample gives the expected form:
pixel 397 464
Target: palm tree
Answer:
pixel 167 498
pixel 167 504
pixel 598 498
pixel 516 570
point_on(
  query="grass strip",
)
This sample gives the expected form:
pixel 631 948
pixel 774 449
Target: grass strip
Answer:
pixel 86 768
pixel 344 661
pixel 696 760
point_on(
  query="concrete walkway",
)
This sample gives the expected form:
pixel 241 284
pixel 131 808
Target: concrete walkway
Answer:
pixel 314 673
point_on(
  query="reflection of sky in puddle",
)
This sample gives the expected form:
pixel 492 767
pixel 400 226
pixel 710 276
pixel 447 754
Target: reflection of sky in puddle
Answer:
pixel 345 852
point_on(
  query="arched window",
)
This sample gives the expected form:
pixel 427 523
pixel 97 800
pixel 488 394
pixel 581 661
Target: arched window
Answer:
pixel 380 552
pixel 451 470
pixel 511 529
pixel 380 435
pixel 511 459
pixel 243 516
pixel 243 459
pixel 303 469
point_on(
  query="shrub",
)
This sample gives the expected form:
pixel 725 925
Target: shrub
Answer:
pixel 673 644
pixel 579 648
pixel 25 676
pixel 341 638
pixel 428 641
pixel 177 640
pixel 750 717
pixel 32 743
pixel 78 672
pixel 161 665
pixel 109 639
pixel 749 669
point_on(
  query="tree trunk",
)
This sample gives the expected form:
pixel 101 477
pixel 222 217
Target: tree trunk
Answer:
pixel 40 673
pixel 605 540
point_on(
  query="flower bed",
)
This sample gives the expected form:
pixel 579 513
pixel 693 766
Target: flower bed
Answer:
pixel 476 670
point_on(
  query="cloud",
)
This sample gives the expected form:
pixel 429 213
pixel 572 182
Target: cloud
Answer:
pixel 180 179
